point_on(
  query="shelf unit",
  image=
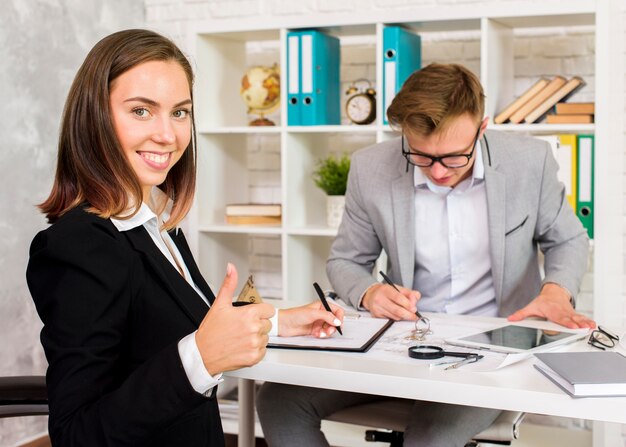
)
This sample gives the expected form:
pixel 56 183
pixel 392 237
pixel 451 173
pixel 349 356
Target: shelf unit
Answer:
pixel 221 52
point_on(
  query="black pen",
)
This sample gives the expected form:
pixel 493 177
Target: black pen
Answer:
pixel 318 289
pixel 388 281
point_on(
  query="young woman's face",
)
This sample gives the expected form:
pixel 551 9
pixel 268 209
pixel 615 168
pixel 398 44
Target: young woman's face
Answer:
pixel 151 110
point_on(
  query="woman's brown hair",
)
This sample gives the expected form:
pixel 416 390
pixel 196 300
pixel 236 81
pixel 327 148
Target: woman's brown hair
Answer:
pixel 91 166
pixel 431 98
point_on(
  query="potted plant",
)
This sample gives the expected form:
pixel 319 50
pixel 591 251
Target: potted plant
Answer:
pixel 331 176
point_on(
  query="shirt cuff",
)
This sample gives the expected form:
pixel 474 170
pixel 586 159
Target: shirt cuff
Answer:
pixel 360 303
pixel 274 320
pixel 198 376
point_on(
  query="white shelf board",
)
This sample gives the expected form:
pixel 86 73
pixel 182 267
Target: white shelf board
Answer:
pixel 312 230
pixel 245 229
pixel 440 18
pixel 545 128
pixel 533 128
pixel 348 128
pixel 240 130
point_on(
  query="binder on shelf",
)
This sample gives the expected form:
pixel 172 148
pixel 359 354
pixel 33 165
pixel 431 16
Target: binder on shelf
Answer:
pixel 568 172
pixel 294 113
pixel 566 91
pixel 555 84
pixel 402 55
pixel 319 78
pixel 584 204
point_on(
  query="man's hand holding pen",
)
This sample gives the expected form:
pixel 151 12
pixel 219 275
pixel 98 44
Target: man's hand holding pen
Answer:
pixel 396 303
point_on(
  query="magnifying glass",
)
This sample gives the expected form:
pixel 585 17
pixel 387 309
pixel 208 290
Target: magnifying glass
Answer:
pixel 430 352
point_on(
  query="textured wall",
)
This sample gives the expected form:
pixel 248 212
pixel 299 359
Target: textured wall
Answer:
pixel 42 43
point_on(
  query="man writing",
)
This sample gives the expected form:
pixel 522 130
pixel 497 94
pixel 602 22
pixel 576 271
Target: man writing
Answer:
pixel 461 213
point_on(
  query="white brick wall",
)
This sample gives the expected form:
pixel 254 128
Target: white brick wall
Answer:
pixel 568 52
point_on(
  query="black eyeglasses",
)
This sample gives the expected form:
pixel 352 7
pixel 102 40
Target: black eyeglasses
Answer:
pixel 449 161
pixel 602 338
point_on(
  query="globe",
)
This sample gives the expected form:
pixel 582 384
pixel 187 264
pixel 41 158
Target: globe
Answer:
pixel 260 90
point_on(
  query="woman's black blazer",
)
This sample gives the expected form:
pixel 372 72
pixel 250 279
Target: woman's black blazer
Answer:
pixel 114 309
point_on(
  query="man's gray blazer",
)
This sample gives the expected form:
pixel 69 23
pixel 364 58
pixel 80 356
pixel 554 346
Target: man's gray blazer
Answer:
pixel 527 211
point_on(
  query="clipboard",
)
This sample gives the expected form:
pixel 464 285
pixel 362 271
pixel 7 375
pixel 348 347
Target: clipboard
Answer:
pixel 359 335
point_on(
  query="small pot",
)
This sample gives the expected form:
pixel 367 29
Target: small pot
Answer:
pixel 334 210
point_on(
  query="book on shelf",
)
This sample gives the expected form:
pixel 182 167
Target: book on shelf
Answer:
pixel 253 220
pixel 574 118
pixel 514 106
pixel 567 90
pixel 585 374
pixel 555 84
pixel 571 108
pixel 253 209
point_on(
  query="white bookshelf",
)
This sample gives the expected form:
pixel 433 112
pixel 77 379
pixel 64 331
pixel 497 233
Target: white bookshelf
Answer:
pixel 220 50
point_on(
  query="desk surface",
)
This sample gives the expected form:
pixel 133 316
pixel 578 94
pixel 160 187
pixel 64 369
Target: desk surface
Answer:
pixel 515 387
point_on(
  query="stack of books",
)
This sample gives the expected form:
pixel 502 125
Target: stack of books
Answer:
pixel 572 113
pixel 253 214
pixel 535 103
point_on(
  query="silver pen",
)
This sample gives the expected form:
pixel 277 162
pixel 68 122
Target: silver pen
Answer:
pixel 465 361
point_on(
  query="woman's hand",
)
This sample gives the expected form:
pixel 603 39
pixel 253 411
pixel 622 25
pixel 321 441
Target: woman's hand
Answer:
pixel 311 319
pixel 230 337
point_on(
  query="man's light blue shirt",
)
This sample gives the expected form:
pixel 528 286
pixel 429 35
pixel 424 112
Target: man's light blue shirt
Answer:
pixel 453 264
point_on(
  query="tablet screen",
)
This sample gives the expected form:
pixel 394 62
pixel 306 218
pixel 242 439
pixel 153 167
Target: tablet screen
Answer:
pixel 517 337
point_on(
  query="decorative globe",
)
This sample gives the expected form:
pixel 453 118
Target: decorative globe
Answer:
pixel 260 90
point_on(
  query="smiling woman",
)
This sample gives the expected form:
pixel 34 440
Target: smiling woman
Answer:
pixel 150 107
pixel 135 339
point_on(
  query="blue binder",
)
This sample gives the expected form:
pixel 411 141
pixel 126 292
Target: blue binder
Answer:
pixel 402 55
pixel 294 84
pixel 319 78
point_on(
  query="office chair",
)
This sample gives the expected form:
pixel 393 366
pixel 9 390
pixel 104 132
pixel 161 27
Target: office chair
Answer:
pixel 393 414
pixel 23 396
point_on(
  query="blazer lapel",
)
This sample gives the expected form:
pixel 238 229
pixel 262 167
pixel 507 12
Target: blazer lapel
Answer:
pixel 187 298
pixel 403 212
pixel 495 187
pixel 179 239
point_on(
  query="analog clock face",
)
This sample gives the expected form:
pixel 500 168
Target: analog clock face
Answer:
pixel 360 109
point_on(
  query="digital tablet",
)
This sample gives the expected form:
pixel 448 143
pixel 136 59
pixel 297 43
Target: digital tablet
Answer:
pixel 516 338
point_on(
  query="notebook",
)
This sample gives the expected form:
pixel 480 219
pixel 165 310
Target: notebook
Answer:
pixel 359 334
pixel 585 374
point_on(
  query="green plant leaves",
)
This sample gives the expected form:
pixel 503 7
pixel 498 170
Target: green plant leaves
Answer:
pixel 331 175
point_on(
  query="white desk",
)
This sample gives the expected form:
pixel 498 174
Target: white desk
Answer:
pixel 516 387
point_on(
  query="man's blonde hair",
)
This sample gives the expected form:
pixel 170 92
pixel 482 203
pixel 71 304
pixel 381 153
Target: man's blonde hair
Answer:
pixel 431 98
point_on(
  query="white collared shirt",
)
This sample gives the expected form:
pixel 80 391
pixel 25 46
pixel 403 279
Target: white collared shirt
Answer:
pixel 453 263
pixel 198 376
